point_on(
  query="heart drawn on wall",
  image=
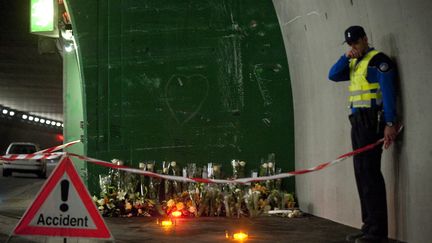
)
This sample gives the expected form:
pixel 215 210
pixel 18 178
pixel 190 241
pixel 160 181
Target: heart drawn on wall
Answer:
pixel 185 96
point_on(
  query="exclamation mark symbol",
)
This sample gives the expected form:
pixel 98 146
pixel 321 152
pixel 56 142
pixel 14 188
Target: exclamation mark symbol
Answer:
pixel 64 186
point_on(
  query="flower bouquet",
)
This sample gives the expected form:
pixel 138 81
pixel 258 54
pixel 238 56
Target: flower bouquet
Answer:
pixel 126 195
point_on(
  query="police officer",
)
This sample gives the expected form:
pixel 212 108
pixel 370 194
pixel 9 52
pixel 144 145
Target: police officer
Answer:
pixel 373 114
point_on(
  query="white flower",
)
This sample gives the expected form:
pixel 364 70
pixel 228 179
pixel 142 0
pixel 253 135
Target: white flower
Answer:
pixel 270 165
pixel 297 213
pixel 117 162
pixel 101 207
pixel 121 195
pixel 173 163
pixel 242 163
pixel 95 199
pixel 192 209
pixel 150 166
pixel 101 202
pixel 264 165
pixel 234 162
pixel 142 165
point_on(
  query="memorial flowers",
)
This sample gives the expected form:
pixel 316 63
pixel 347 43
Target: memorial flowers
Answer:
pixel 126 195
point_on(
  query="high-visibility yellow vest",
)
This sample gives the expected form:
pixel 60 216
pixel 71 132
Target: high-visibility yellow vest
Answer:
pixel 361 91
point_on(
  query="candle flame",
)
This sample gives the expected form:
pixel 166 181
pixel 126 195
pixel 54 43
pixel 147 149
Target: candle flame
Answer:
pixel 176 213
pixel 166 223
pixel 240 236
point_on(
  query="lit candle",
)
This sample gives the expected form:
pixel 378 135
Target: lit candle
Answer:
pixel 240 236
pixel 176 213
pixel 166 223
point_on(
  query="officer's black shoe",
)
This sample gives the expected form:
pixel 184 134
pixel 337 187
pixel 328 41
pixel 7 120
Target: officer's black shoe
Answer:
pixel 352 237
pixel 370 239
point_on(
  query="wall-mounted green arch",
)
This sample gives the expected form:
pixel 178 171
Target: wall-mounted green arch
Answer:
pixel 192 81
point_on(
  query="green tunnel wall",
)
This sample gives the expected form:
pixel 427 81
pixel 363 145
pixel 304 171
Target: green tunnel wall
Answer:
pixel 191 81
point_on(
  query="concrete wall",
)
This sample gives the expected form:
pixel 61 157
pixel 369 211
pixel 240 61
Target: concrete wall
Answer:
pixel 313 33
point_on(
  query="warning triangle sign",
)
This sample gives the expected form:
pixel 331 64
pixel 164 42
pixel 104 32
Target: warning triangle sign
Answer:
pixel 63 208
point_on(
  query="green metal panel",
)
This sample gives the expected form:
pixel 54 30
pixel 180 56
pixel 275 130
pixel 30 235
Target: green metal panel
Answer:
pixel 191 81
pixel 73 108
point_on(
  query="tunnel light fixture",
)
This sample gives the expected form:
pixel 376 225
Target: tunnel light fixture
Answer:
pixel 67 34
pixel 25 116
pixel 69 47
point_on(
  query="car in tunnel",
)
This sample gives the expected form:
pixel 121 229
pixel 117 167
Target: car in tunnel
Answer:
pixel 36 166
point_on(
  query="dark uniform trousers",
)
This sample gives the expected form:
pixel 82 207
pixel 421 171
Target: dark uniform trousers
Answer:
pixel 368 127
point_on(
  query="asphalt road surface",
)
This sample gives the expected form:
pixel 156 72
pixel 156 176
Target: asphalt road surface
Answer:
pixel 19 190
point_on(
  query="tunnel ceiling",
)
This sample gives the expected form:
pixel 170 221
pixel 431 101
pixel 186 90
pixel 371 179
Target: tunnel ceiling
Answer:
pixel 30 81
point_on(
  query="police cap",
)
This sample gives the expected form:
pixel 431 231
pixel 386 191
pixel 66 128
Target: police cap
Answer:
pixel 354 33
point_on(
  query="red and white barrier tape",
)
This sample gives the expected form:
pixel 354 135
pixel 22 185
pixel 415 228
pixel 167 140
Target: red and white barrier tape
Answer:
pixel 43 154
pixel 146 173
pixel 200 180
pixel 49 150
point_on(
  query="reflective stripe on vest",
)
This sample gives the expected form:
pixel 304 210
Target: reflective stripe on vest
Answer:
pixel 361 91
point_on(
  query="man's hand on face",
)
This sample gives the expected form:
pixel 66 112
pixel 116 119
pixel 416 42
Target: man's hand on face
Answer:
pixel 352 54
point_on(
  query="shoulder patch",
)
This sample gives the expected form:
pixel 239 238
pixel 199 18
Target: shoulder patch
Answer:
pixel 383 67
